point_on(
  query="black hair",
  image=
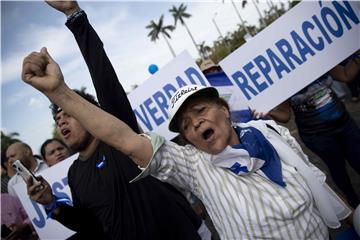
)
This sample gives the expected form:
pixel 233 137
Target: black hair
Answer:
pixel 55 109
pixel 47 142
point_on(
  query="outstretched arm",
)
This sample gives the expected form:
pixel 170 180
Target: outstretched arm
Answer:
pixel 44 74
pixel 280 113
pixel 111 95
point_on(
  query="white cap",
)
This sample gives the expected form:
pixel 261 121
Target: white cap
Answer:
pixel 179 97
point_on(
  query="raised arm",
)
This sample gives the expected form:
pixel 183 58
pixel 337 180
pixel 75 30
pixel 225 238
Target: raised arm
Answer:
pixel 110 93
pixel 44 74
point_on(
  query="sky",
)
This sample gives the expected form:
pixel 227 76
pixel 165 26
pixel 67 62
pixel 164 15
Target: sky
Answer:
pixel 27 26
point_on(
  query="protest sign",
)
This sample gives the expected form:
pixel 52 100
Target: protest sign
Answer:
pixel 293 51
pixel 56 176
pixel 150 100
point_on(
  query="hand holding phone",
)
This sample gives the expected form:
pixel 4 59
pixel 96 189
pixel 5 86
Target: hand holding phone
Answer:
pixel 44 195
pixel 24 172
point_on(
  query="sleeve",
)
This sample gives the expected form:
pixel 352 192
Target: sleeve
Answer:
pixel 110 93
pixel 173 164
pixel 79 219
pixel 285 133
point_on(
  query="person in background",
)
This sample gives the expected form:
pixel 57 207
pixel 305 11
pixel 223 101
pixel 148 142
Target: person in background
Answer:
pixel 4 177
pixel 22 151
pixel 325 126
pixel 53 151
pixel 354 88
pixel 14 217
pixel 208 66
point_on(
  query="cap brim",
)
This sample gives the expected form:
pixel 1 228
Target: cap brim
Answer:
pixel 208 92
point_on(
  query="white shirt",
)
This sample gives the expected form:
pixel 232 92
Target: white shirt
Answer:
pixel 242 207
pixel 40 165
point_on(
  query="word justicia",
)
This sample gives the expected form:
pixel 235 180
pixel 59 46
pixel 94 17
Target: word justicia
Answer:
pixel 178 96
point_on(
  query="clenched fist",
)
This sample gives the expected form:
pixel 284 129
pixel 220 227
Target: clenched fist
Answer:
pixel 42 72
pixel 66 7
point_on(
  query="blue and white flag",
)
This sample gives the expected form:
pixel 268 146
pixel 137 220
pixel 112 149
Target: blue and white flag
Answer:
pixel 239 110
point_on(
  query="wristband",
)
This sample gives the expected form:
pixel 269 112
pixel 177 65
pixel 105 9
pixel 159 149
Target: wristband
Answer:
pixel 56 202
pixel 71 18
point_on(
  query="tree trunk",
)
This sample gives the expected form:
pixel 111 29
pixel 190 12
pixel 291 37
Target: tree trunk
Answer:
pixel 241 20
pixel 167 42
pixel 192 38
pixel 273 7
pixel 258 10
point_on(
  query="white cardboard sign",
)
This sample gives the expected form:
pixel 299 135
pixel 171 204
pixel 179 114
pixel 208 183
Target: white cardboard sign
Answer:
pixel 56 176
pixel 151 99
pixel 293 51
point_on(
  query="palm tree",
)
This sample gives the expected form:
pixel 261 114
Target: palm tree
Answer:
pixel 8 139
pixel 273 8
pixel 204 50
pixel 241 19
pixel 159 28
pixel 244 2
pixel 180 14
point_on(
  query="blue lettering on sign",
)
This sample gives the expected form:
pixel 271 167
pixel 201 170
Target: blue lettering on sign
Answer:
pixel 57 187
pixel 169 90
pixel 143 117
pixel 161 101
pixel 325 14
pixel 302 47
pixel 181 83
pixel 278 65
pixel 322 29
pixel 315 34
pixel 320 44
pixel 243 84
pixel 153 111
pixel 348 11
pixel 254 76
pixel 264 67
pixel 287 52
pixel 40 220
pixel 191 73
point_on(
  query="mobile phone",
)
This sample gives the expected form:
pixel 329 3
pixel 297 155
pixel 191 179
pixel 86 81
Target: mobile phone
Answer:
pixel 23 171
pixel 5 231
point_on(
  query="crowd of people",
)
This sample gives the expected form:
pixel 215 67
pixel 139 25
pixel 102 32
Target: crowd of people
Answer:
pixel 250 178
